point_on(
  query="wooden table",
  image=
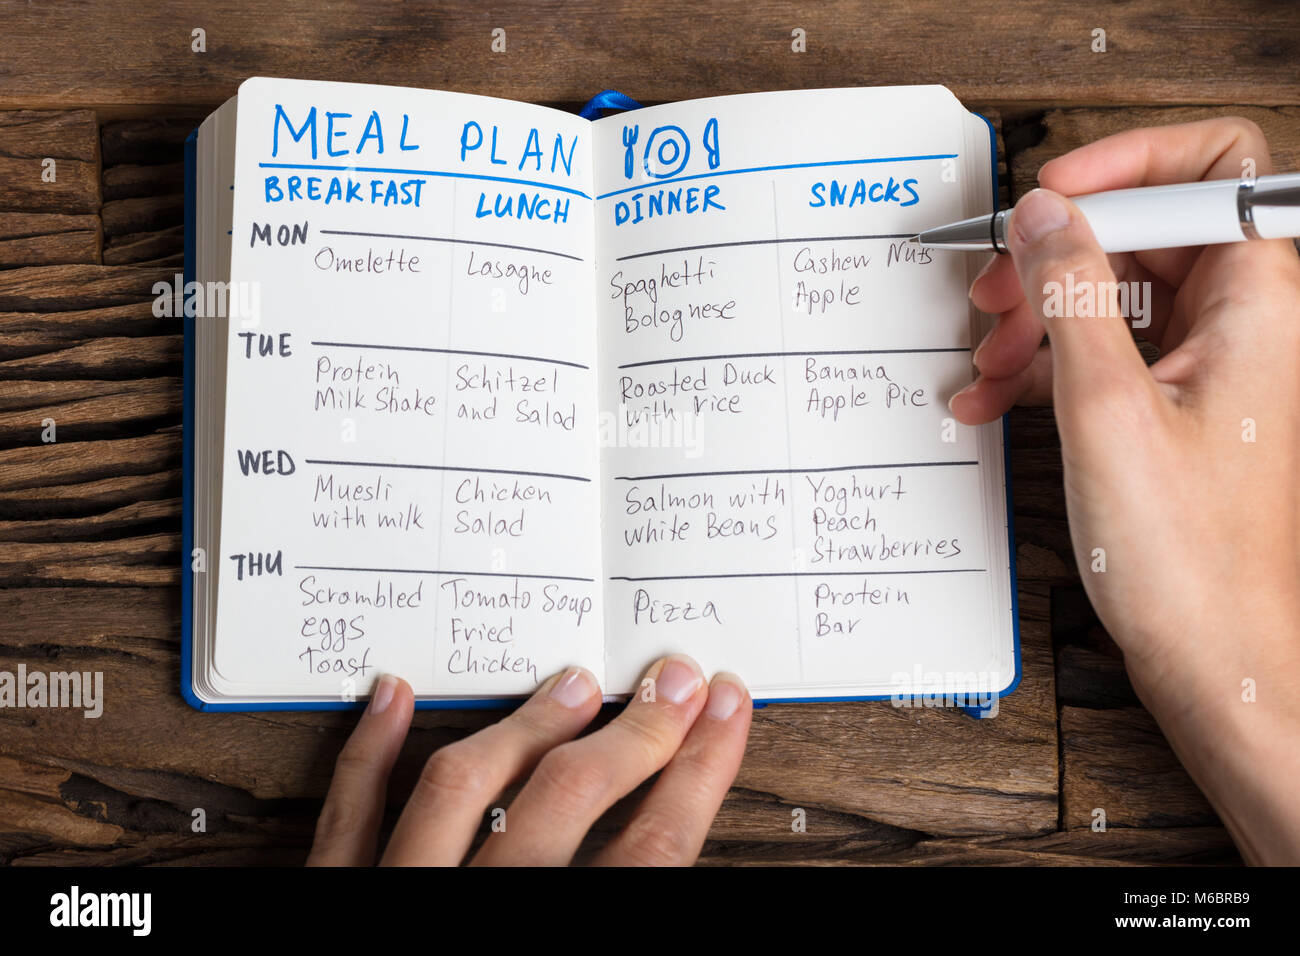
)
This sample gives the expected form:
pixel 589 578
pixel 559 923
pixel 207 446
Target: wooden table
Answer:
pixel 90 523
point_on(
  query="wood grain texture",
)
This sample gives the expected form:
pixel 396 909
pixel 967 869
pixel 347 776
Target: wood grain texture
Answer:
pixel 1036 52
pixel 926 772
pixel 47 239
pixel 28 139
pixel 89 524
pixel 1119 762
pixel 1065 130
pixel 1114 757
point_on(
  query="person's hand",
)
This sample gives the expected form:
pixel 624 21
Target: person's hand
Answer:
pixel 693 731
pixel 1182 480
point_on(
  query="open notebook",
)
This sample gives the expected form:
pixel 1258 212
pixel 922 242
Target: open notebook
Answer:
pixel 497 389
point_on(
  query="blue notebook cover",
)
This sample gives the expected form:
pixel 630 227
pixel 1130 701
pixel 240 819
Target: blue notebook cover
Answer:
pixel 607 99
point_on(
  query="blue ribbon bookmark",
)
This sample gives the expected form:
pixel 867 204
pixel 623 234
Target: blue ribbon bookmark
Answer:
pixel 608 100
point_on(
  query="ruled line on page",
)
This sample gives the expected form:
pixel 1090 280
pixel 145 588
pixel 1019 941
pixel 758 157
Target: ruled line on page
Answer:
pixel 445 573
pixel 460 468
pixel 749 355
pixel 794 471
pixel 762 242
pixel 452 241
pixel 794 574
pixel 778 168
pixel 439 173
pixel 422 348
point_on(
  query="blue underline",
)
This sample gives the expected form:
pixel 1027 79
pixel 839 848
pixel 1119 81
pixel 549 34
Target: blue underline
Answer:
pixel 764 169
pixel 617 192
pixel 426 172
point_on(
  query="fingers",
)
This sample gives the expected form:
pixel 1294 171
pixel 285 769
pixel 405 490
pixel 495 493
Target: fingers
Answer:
pixel 988 398
pixel 1012 342
pixel 577 782
pixel 1013 366
pixel 348 828
pixel 997 287
pixel 1188 152
pixel 670 826
pixel 1017 337
pixel 1069 284
pixel 1212 149
pixel 461 780
pixel 1158 156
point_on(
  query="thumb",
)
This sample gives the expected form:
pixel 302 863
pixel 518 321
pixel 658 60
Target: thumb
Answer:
pixel 1068 282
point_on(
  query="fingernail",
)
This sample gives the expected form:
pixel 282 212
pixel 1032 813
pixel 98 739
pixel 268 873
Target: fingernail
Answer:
pixel 679 680
pixel 382 695
pixel 1039 213
pixel 725 695
pixel 980 348
pixel 961 391
pixel 574 688
pixel 981 274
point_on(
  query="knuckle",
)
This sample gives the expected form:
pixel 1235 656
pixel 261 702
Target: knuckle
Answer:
pixel 698 764
pixel 353 762
pixel 528 722
pixel 1115 401
pixel 573 780
pixel 338 818
pixel 1246 131
pixel 1074 260
pixel 453 771
pixel 1077 286
pixel 653 735
pixel 655 838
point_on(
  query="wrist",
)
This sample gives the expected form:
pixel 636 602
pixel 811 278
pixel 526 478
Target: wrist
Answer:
pixel 1230 708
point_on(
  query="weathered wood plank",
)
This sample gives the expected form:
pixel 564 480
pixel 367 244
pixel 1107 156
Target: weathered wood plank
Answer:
pixel 123 217
pixel 78 287
pixel 164 247
pixel 47 239
pixel 97 518
pixel 93 619
pixel 116 357
pixel 152 559
pixel 1089 666
pixel 1069 129
pixel 29 333
pixel 90 497
pixel 866 762
pixel 1043 549
pixel 1119 762
pixel 22 395
pixel 1037 51
pixel 42 467
pixel 132 180
pixel 1191 846
pixel 28 139
pixel 1085 678
pixel 83 409
pixel 153 144
pixel 127 519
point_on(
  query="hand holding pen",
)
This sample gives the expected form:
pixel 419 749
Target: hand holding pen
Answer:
pixel 1180 478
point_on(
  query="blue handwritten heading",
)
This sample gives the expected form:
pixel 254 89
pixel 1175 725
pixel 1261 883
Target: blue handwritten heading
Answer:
pixel 338 126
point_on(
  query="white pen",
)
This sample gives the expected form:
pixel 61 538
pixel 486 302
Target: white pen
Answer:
pixel 1157 217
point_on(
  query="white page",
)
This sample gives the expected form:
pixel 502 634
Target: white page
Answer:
pixel 796 600
pixel 458 581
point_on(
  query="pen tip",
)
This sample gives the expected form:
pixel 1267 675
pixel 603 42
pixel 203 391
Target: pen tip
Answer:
pixel 915 239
